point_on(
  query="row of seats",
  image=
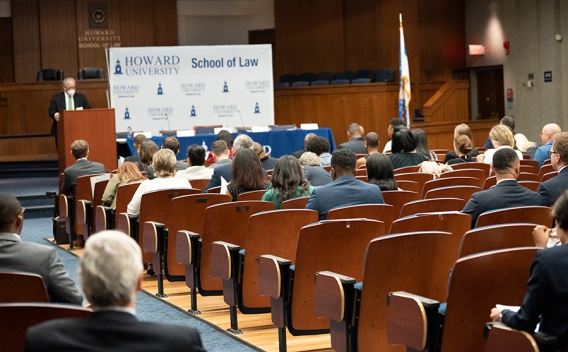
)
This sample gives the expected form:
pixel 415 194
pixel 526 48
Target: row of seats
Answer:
pixel 51 74
pixel 342 77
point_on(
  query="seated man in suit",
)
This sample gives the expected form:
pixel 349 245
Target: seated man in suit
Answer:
pixel 297 154
pixel 82 166
pixel 507 193
pixel 356 142
pixel 220 151
pixel 111 274
pixel 66 100
pixel 552 189
pixel 345 189
pixel 16 255
pixel 172 144
pixel 545 300
pixel 138 140
pixel 371 146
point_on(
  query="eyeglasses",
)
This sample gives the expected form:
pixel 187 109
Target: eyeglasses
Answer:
pixel 550 152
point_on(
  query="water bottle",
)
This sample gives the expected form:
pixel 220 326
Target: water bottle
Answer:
pixel 204 146
pixel 129 130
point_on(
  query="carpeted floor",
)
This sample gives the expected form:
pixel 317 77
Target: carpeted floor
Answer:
pixel 148 308
pixel 28 186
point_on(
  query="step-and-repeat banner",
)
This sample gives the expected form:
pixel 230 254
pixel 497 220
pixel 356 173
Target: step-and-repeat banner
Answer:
pixel 176 88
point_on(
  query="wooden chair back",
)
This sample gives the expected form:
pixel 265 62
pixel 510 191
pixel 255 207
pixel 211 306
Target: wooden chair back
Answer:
pixel 406 169
pixel 155 206
pixel 455 223
pixel 531 185
pixel 547 162
pixel 528 214
pixel 481 150
pixel 393 263
pixel 199 183
pixel 16 318
pixel 252 195
pixel 527 176
pixel 474 165
pixel 462 192
pixel 544 169
pixel 327 168
pixel 361 172
pixel 272 232
pixel 381 212
pixel 22 287
pixel 61 178
pixel 409 186
pixel 440 151
pixel 362 178
pixel 214 189
pixel 503 338
pixel 475 286
pixel 529 168
pixel 530 162
pixel 489 182
pixel 449 181
pixel 82 191
pixel 432 205
pixel 98 200
pixel 398 198
pixel 495 237
pixel 420 177
pixel 224 222
pixel 479 174
pixel 316 250
pixel 547 176
pixel 186 213
pixel 124 195
pixel 295 203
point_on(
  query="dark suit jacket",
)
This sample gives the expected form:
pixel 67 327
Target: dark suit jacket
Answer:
pixel 552 189
pixel 545 300
pixel 452 155
pixel 16 255
pixel 356 144
pixel 222 170
pixel 344 191
pixel 58 104
pixel 298 153
pixel 505 194
pixel 111 331
pixel 133 158
pixel 81 168
pixel 317 175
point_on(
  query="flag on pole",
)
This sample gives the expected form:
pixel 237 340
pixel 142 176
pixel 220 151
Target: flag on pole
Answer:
pixel 404 93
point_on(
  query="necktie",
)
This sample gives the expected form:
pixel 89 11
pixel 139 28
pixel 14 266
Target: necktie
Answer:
pixel 69 103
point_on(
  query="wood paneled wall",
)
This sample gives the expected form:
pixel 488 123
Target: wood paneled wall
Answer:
pixel 48 33
pixel 6 50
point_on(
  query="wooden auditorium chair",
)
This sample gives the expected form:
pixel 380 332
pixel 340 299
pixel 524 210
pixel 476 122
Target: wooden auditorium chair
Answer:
pixel 275 232
pixel 221 222
pixel 494 237
pixel 380 212
pixel 16 318
pixel 462 192
pixel 475 165
pixel 357 311
pixel 105 217
pixel 477 283
pixel 86 216
pixel 526 214
pixel 547 176
pixel 479 174
pixel 544 169
pixel 489 182
pixel 160 238
pixel 500 337
pixel 406 169
pixel 295 203
pixel 411 186
pixel 530 185
pixel 420 177
pixel 447 182
pixel 527 176
pixel 22 287
pixel 252 195
pixel 399 198
pixel 199 183
pixel 530 162
pixel 432 206
pixel 292 305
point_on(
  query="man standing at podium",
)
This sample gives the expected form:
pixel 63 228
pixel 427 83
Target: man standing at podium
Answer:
pixel 66 100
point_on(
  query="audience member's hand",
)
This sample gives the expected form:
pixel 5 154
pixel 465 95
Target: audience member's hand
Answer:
pixel 541 234
pixel 495 314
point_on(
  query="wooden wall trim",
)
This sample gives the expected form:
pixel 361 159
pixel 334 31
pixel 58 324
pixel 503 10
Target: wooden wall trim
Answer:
pixel 449 103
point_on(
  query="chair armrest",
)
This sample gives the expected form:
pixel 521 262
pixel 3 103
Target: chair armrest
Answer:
pixel 66 205
pixel 187 247
pixel 104 218
pixel 128 224
pixel 504 335
pixel 407 322
pixel 330 295
pixel 224 256
pixel 81 211
pixel 150 236
pixel 273 275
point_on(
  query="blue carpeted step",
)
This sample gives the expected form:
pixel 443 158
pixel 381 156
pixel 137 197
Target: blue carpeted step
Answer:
pixel 40 168
pixel 37 206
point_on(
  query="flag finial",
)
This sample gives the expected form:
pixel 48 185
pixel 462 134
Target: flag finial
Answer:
pixel 400 18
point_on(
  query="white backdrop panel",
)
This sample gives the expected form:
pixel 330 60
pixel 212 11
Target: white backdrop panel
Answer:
pixel 174 88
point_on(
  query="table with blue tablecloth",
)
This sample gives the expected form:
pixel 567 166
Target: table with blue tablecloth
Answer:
pixel 276 143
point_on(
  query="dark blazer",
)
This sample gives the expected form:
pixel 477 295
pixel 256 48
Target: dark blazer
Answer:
pixel 344 191
pixel 317 175
pixel 545 299
pixel 552 189
pixel 133 158
pixel 111 331
pixel 298 153
pixel 452 155
pixel 58 104
pixel 269 163
pixel 356 144
pixel 461 160
pixel 223 170
pixel 505 194
pixel 81 168
pixel 16 255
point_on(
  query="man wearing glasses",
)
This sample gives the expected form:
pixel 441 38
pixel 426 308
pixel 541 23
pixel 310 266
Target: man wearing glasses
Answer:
pixel 35 258
pixel 546 135
pixel 552 189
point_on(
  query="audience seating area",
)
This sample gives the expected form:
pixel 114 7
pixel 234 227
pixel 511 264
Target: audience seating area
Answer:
pixel 328 78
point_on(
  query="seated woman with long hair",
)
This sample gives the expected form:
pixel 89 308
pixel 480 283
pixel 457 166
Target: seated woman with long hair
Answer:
pixel 147 151
pixel 247 174
pixel 127 173
pixel 404 149
pixel 422 143
pixel 501 137
pixel 380 172
pixel 462 148
pixel 288 182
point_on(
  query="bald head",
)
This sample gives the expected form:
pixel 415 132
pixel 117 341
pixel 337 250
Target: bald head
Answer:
pixel 548 132
pixel 354 131
pixel 372 141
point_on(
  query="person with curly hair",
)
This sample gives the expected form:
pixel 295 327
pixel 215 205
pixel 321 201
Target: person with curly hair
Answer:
pixel 320 146
pixel 288 182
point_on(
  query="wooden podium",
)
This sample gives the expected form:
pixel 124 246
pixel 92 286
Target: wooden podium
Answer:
pixel 97 127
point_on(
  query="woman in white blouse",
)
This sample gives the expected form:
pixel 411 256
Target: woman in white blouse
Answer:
pixel 501 137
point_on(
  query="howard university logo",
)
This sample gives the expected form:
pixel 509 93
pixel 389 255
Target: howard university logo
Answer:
pixel 193 113
pixel 126 114
pixel 256 108
pixel 117 68
pixel 225 88
pixel 160 91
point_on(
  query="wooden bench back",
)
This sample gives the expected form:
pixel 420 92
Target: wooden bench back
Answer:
pixel 461 192
pixel 495 237
pixel 432 205
pixel 22 287
pixel 449 181
pixel 381 212
pixel 526 214
pixel 399 198
pixel 124 195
